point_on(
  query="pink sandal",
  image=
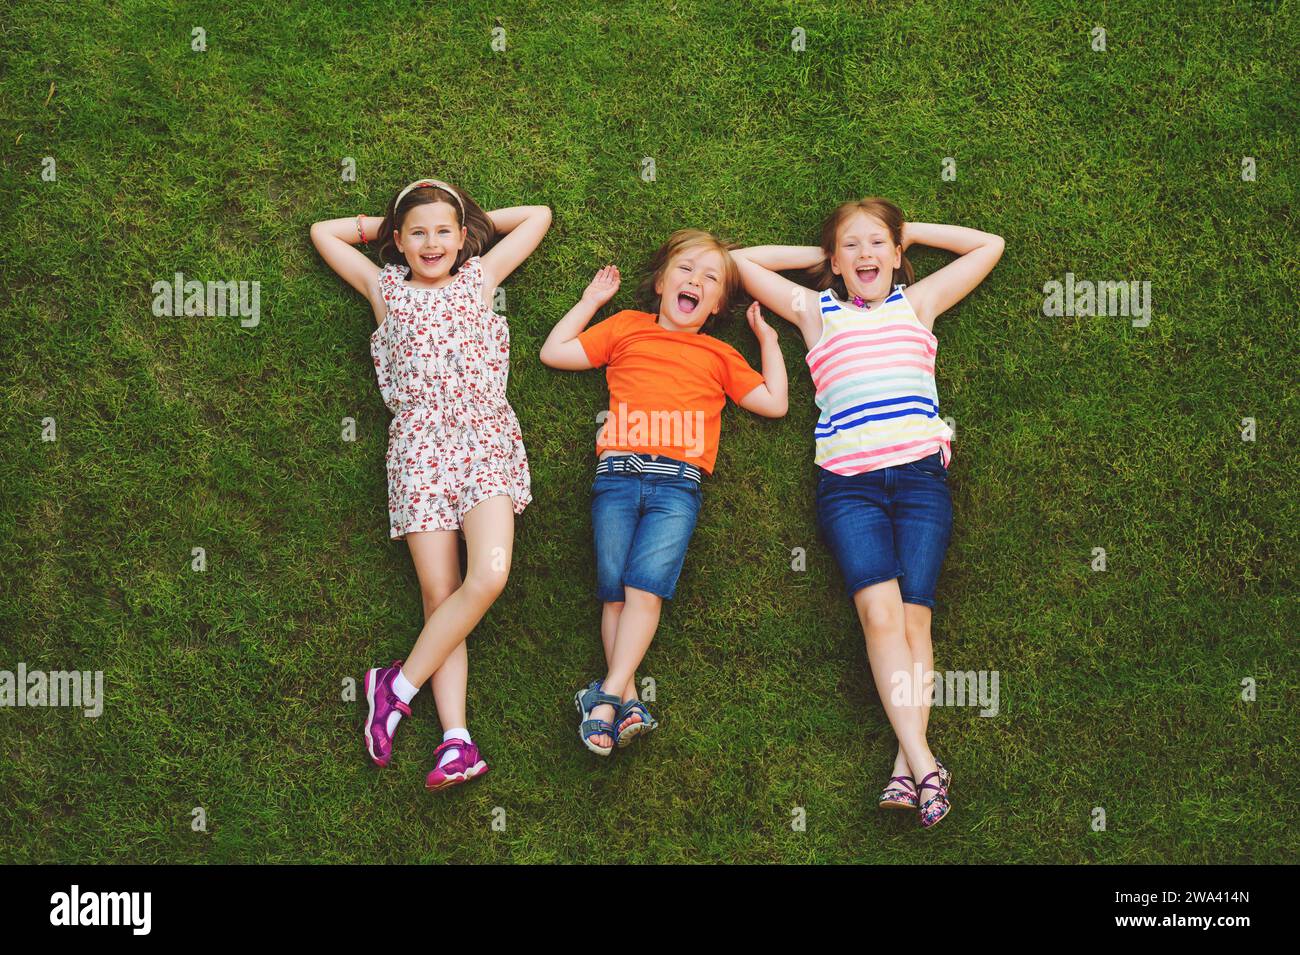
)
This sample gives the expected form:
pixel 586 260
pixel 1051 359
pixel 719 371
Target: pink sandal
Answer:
pixel 467 764
pixel 381 701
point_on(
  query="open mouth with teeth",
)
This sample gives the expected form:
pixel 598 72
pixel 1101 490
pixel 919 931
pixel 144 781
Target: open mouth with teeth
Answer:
pixel 687 302
pixel 431 259
pixel 868 274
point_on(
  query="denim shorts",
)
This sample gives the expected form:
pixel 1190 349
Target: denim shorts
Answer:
pixel 642 524
pixel 887 523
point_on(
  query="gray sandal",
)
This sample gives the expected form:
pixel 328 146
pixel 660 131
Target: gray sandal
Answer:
pixel 647 723
pixel 586 701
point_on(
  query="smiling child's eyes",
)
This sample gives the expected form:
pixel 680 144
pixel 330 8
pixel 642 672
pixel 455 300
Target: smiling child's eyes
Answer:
pixel 712 276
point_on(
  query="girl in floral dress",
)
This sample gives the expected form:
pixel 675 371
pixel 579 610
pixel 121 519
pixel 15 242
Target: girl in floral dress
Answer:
pixel 456 461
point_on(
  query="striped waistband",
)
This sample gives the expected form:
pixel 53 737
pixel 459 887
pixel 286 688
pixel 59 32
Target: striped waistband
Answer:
pixel 644 464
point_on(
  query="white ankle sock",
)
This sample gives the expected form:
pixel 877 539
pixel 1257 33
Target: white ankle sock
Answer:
pixel 452 752
pixel 406 693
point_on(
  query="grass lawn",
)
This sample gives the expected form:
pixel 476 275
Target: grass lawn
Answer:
pixel 1119 689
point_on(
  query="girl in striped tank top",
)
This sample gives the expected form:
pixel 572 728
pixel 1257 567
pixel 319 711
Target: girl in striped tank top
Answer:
pixel 882 450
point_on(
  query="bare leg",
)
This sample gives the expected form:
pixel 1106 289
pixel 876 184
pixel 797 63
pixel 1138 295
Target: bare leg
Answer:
pixel 880 609
pixel 437 563
pixel 489 535
pixel 636 628
pixel 916 624
pixel 609 615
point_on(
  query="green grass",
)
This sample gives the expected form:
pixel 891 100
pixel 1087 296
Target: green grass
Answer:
pixel 1118 689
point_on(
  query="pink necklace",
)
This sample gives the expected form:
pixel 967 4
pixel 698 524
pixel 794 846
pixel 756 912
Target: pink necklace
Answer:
pixel 860 302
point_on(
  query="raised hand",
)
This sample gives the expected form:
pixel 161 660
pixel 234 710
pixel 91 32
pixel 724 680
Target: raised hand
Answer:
pixel 602 287
pixel 764 332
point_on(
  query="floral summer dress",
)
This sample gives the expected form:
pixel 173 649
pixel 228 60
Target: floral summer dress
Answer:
pixel 442 358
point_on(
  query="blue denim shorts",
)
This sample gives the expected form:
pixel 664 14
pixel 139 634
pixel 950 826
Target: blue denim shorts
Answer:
pixel 642 523
pixel 887 523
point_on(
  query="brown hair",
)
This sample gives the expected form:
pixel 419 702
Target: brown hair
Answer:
pixel 479 237
pixel 683 240
pixel 882 209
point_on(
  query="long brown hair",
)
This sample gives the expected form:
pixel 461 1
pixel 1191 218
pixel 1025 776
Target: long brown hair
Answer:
pixel 480 233
pixel 683 240
pixel 823 278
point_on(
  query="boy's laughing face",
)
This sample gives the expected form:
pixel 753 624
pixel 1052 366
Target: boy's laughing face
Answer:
pixel 690 289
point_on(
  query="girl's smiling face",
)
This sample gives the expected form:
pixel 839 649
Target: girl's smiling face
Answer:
pixel 691 289
pixel 430 239
pixel 866 256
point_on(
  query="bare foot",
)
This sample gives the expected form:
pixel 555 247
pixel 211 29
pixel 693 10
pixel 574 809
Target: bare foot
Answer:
pixel 604 713
pixel 632 718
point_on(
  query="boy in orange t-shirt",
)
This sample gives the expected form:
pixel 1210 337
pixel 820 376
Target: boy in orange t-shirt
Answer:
pixel 668 382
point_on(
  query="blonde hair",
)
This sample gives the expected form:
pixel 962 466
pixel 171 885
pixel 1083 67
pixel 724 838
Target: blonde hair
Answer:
pixel 685 240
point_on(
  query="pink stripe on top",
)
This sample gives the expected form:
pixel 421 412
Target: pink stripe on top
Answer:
pixel 873 371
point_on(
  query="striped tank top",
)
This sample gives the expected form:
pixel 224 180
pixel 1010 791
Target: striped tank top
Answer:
pixel 873 370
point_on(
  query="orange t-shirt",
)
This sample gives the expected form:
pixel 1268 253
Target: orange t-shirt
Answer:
pixel 666 389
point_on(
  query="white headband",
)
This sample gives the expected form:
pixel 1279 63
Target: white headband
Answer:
pixel 431 182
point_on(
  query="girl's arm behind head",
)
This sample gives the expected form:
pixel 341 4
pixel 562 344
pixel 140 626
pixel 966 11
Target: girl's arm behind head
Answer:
pixel 523 228
pixel 939 291
pixel 335 240
pixel 793 302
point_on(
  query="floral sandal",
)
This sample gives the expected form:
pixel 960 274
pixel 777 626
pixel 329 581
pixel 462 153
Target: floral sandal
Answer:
pixel 647 723
pixel 586 701
pixel 945 777
pixel 937 806
pixel 900 793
